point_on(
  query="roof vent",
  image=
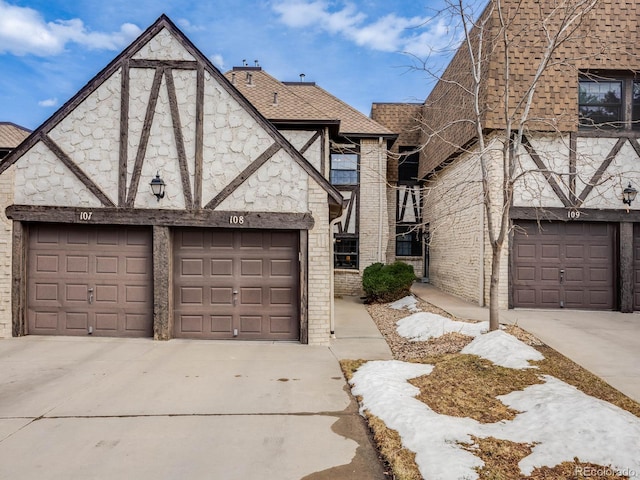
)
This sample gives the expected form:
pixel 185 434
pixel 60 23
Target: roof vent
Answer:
pixel 302 75
pixel 244 62
pixel 275 98
pixel 256 64
pixel 233 78
pixel 249 78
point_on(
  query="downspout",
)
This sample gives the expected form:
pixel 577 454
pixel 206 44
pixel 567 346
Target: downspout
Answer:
pixel 381 193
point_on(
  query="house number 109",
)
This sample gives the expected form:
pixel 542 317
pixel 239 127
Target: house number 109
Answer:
pixel 236 220
pixel 573 214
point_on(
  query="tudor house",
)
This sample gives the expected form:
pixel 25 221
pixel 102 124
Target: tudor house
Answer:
pixel 574 243
pixel 159 202
pixel 166 199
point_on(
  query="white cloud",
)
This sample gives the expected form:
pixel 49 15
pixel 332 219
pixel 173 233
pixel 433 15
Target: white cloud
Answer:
pixel 23 31
pixel 49 102
pixel 217 60
pixel 188 26
pixel 391 33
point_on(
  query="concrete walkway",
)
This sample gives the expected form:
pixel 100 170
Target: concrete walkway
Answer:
pixel 107 408
pixel 605 343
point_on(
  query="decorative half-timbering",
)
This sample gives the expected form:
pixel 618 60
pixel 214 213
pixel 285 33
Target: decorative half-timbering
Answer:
pixel 228 239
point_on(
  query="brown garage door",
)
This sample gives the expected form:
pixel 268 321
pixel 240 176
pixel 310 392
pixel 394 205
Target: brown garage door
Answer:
pixel 236 284
pixel 562 264
pixel 84 279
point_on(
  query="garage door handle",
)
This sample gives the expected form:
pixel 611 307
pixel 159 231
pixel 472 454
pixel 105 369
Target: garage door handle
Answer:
pixel 235 297
pixel 90 295
pixel 561 276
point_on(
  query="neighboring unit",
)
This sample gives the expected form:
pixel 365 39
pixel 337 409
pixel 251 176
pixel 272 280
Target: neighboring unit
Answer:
pixel 352 153
pixel 573 243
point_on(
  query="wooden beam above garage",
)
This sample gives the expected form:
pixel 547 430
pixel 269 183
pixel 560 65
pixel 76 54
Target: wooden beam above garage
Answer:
pixel 168 218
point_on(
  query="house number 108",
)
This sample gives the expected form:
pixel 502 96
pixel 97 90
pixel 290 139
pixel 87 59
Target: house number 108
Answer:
pixel 236 220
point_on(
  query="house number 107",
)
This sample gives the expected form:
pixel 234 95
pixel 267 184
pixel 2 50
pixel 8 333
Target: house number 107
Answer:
pixel 85 216
pixel 236 220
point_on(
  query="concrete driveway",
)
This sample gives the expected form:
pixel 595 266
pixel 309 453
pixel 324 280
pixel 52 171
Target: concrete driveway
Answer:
pixel 100 408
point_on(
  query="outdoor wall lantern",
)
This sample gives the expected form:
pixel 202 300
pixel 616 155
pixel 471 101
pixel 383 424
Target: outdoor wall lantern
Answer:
pixel 157 186
pixel 629 195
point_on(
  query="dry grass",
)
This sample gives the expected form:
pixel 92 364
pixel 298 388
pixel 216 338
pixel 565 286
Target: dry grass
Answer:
pixel 467 386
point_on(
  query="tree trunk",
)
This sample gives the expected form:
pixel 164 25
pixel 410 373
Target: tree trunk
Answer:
pixel 494 288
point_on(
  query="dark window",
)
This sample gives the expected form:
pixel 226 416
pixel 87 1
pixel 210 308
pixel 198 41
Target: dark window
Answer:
pixel 636 105
pixel 408 165
pixel 608 102
pixel 345 252
pixel 408 241
pixel 344 169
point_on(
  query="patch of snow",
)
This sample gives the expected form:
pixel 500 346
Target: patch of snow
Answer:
pixel 424 325
pixel 434 438
pixel 503 349
pixel 562 421
pixel 568 423
pixel 409 302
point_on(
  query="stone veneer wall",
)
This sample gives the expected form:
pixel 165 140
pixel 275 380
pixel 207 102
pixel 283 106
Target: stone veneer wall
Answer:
pixel 6 241
pixel 320 267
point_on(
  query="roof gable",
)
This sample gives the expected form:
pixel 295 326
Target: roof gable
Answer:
pixel 11 135
pixel 127 122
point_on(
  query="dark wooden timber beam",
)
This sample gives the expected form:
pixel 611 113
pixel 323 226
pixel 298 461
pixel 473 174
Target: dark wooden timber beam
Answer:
pixel 168 218
pixel 574 214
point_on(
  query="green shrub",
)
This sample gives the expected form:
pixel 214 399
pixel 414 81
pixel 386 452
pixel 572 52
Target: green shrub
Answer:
pixel 387 283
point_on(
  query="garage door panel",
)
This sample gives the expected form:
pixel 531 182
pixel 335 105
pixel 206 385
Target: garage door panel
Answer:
pixel 584 251
pixel 280 325
pixel 261 266
pixel 222 296
pixel 251 296
pixel 251 267
pixel 191 323
pixel 222 324
pixel 46 291
pixel 136 266
pixel 251 324
pixel 191 295
pixel 106 322
pixel 47 263
pixel 46 320
pixel 77 321
pixel 98 276
pixel 75 264
pixel 191 266
pixel 106 294
pixel 222 267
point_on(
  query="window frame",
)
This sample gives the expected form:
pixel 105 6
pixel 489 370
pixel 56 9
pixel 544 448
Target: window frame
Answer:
pixel 355 171
pixel 629 105
pixel 415 242
pixel 349 263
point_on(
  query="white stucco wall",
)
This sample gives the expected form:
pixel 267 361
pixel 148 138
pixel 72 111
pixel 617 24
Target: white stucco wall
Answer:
pixel 163 47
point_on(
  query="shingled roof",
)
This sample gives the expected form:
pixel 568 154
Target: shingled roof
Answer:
pixel 301 102
pixel 12 135
pixel 404 118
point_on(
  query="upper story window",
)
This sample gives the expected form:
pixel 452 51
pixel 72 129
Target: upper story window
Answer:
pixel 344 169
pixel 408 165
pixel 609 102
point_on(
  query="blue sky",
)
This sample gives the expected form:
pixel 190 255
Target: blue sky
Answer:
pixel 361 50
